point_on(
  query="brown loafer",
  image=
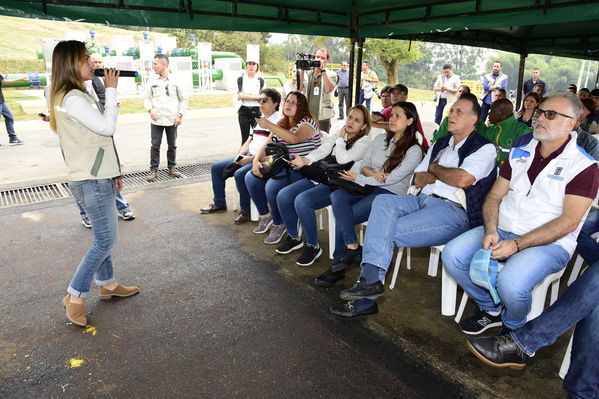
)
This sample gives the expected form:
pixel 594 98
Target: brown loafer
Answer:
pixel 151 176
pixel 214 208
pixel 172 172
pixel 75 312
pixel 244 216
pixel 121 291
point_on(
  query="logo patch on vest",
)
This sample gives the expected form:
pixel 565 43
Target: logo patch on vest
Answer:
pixel 556 174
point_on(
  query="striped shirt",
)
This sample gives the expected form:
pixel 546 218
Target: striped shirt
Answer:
pixel 305 147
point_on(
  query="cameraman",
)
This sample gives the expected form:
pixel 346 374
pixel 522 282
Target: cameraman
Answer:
pixel 317 84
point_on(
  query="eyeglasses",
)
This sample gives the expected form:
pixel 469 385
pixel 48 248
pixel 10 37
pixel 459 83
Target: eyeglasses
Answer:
pixel 263 100
pixel 385 95
pixel 549 115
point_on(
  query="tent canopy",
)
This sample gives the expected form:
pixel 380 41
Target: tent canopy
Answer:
pixel 556 27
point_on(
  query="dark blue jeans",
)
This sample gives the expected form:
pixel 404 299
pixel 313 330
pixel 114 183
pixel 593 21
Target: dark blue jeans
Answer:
pixel 362 99
pixel 587 247
pixel 264 192
pixel 299 201
pixel 9 120
pixel 349 211
pixel 218 183
pixel 484 111
pixel 579 305
pixel 439 110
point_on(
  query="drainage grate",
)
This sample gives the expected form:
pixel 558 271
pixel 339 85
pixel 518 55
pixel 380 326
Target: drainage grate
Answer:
pixel 49 192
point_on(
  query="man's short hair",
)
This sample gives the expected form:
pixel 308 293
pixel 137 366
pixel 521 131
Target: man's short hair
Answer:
pixel 447 66
pixel 401 88
pixel 162 57
pixel 595 92
pixel 504 105
pixel 572 86
pixel 386 89
pixel 273 94
pixel 585 89
pixel 497 62
pixel 502 91
pixel 475 105
pixel 575 103
pixel 536 69
pixel 326 50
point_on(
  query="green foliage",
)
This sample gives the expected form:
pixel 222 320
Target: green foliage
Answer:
pixel 392 52
pixel 18 65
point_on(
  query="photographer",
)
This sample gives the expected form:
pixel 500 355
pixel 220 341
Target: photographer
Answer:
pixel 318 84
pixel 269 101
pixel 367 81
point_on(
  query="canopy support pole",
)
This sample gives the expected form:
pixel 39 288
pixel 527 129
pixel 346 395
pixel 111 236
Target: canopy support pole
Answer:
pixel 359 69
pixel 520 80
pixel 352 68
pixel 597 78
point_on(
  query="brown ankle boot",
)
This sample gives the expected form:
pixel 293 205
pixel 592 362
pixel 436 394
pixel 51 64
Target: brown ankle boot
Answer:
pixel 120 291
pixel 75 312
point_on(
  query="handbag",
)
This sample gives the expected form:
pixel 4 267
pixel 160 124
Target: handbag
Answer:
pixel 277 156
pixel 319 170
pixel 336 182
pixel 230 170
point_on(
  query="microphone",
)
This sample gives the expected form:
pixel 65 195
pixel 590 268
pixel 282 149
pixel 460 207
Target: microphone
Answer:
pixel 123 74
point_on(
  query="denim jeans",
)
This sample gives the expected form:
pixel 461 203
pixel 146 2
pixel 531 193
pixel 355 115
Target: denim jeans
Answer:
pixel 362 99
pixel 579 305
pixel 299 201
pixel 587 247
pixel 9 120
pixel 218 183
pixel 349 211
pixel 484 111
pixel 409 221
pixel 439 110
pixel 97 199
pixel 521 273
pixel 121 205
pixel 171 141
pixel 264 192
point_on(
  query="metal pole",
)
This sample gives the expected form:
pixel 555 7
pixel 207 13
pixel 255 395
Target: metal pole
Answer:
pixel 359 71
pixel 352 68
pixel 597 78
pixel 520 80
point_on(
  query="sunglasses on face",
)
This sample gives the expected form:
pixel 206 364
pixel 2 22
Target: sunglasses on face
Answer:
pixel 549 114
pixel 262 100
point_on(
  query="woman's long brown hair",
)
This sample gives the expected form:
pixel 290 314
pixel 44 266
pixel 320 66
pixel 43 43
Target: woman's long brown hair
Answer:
pixel 303 110
pixel 66 58
pixel 367 122
pixel 407 139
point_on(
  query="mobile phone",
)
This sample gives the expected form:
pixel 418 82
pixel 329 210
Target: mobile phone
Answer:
pixel 42 115
pixel 377 114
pixel 239 158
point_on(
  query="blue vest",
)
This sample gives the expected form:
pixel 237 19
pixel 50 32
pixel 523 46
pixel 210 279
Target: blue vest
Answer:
pixel 475 194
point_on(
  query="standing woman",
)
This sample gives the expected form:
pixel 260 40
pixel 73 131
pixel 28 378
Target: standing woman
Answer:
pixel 530 103
pixel 85 130
pixel 388 166
pixel 248 92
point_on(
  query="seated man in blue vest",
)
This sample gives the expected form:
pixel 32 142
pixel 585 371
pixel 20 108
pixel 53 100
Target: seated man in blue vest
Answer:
pixel 532 217
pixel 454 176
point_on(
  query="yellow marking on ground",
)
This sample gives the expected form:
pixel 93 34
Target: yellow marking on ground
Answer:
pixel 26 356
pixel 90 329
pixel 74 362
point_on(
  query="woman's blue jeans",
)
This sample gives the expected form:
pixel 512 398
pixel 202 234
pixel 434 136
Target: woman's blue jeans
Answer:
pixel 579 305
pixel 299 201
pixel 218 183
pixel 264 192
pixel 522 272
pixel 96 197
pixel 349 211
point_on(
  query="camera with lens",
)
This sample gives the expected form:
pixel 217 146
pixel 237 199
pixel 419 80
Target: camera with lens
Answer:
pixel 253 114
pixel 375 90
pixel 306 62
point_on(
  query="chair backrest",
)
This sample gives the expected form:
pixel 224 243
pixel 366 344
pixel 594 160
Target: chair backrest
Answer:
pixel 34 79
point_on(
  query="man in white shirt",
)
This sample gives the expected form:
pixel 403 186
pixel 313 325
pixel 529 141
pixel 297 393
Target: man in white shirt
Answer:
pixel 445 88
pixel 166 102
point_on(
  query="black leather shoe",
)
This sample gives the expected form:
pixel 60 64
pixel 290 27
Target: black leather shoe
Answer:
pixel 501 351
pixel 348 310
pixel 349 257
pixel 213 209
pixel 329 278
pixel 362 290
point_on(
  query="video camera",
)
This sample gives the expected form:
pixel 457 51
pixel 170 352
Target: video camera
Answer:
pixel 375 90
pixel 306 62
pixel 253 114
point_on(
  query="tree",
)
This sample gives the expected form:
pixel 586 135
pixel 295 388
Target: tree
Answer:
pixel 464 59
pixel 390 53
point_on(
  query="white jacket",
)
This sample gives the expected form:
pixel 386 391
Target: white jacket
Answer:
pixel 527 207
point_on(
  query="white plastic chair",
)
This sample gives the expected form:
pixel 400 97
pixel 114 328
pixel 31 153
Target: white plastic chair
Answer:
pixel 539 293
pixel 563 370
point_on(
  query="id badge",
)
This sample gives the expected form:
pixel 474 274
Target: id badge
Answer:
pixel 316 90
